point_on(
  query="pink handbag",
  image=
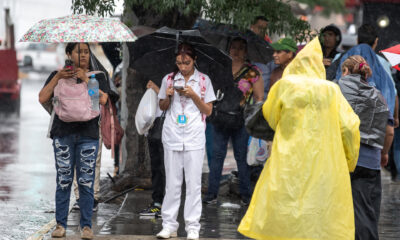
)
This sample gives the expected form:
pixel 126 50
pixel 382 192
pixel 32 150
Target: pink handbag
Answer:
pixel 72 102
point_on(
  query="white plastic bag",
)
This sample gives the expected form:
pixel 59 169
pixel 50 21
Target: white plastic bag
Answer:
pixel 258 151
pixel 146 111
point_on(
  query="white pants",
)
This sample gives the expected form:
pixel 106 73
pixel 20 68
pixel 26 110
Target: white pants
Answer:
pixel 176 164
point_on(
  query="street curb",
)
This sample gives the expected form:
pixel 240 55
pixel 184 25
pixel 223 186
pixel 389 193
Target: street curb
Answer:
pixel 38 235
pixel 43 230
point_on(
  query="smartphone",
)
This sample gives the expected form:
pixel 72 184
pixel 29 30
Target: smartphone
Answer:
pixel 178 87
pixel 69 64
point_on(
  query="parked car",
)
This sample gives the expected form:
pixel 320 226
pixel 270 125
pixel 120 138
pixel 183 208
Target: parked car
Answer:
pixel 41 57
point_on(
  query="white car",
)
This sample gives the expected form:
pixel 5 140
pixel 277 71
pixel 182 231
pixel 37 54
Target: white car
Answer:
pixel 41 57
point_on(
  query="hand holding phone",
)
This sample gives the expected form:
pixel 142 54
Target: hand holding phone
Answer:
pixel 69 64
pixel 178 87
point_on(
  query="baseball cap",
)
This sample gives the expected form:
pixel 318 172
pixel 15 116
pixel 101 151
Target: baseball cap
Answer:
pixel 285 44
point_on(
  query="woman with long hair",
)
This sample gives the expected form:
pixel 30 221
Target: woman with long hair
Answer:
pixel 248 85
pixel 75 144
pixel 186 95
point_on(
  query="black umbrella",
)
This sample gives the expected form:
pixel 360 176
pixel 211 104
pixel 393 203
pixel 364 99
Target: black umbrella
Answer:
pixel 220 35
pixel 154 55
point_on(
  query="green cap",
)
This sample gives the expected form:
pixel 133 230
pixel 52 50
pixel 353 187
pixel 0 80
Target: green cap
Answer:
pixel 285 44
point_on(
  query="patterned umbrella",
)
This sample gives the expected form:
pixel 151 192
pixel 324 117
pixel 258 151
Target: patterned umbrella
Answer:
pixel 79 28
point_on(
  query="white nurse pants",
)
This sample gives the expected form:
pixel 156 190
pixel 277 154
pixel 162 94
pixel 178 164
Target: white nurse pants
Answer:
pixel 176 164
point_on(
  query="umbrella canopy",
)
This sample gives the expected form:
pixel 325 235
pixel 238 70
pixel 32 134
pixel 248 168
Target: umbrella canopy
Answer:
pixel 154 55
pixel 220 35
pixel 392 54
pixel 79 28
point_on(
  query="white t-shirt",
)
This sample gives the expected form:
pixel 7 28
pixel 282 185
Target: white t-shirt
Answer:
pixel 191 136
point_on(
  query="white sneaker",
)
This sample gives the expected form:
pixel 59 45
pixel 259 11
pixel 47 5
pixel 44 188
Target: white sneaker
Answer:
pixel 166 233
pixel 193 235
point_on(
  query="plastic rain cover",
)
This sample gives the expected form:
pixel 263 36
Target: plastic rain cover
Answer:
pixel 304 190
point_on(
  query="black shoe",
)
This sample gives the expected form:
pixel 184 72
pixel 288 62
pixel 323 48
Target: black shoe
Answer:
pixel 152 210
pixel 95 205
pixel 210 200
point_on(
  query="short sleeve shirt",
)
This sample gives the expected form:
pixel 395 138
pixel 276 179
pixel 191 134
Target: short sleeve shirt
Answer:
pixel 191 136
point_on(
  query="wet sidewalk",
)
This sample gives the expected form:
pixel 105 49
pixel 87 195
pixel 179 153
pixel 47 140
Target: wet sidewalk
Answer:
pixel 121 220
pixel 112 221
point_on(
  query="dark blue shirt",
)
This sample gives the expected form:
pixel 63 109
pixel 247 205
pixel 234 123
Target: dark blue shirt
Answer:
pixel 370 157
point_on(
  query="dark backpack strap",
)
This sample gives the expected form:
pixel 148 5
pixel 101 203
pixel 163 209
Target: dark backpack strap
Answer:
pixel 331 70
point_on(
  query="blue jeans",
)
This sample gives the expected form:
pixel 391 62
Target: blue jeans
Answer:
pixel 75 152
pixel 239 140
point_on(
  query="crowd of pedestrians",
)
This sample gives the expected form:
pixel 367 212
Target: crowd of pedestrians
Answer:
pixel 334 115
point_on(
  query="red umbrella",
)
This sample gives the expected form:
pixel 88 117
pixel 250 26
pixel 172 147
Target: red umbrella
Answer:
pixel 392 54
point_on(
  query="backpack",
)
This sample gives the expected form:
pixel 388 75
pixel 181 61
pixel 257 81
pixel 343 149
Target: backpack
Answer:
pixel 111 130
pixel 71 101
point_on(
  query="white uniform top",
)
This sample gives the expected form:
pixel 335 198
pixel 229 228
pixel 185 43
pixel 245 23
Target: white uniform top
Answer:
pixel 191 136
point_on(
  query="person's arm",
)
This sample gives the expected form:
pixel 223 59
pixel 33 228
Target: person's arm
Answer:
pixel 152 85
pixel 103 97
pixel 258 90
pixel 272 107
pixel 47 91
pixel 165 94
pixel 386 145
pixel 164 104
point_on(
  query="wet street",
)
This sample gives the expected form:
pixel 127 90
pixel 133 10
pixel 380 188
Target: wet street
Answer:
pixel 27 188
pixel 27 172
pixel 26 167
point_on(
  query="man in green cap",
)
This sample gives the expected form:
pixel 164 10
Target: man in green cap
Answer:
pixel 284 52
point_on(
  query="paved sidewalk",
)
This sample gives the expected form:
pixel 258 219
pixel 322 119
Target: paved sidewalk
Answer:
pixel 122 221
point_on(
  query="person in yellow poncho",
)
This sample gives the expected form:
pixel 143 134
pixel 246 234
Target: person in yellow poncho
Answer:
pixel 304 190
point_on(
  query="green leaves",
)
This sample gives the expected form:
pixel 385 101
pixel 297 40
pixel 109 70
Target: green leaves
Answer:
pixel 238 12
pixel 91 7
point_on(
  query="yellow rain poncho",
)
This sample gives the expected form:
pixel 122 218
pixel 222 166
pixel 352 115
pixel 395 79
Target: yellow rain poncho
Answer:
pixel 304 190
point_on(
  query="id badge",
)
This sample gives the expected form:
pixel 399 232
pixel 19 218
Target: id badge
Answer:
pixel 181 120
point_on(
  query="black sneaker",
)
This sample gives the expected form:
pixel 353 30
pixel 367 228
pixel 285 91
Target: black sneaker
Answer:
pixel 210 200
pixel 158 214
pixel 95 205
pixel 152 210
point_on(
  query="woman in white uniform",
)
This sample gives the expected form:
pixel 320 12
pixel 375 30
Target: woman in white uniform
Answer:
pixel 187 96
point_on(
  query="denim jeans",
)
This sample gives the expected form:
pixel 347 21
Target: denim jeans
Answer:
pixel 239 141
pixel 75 152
